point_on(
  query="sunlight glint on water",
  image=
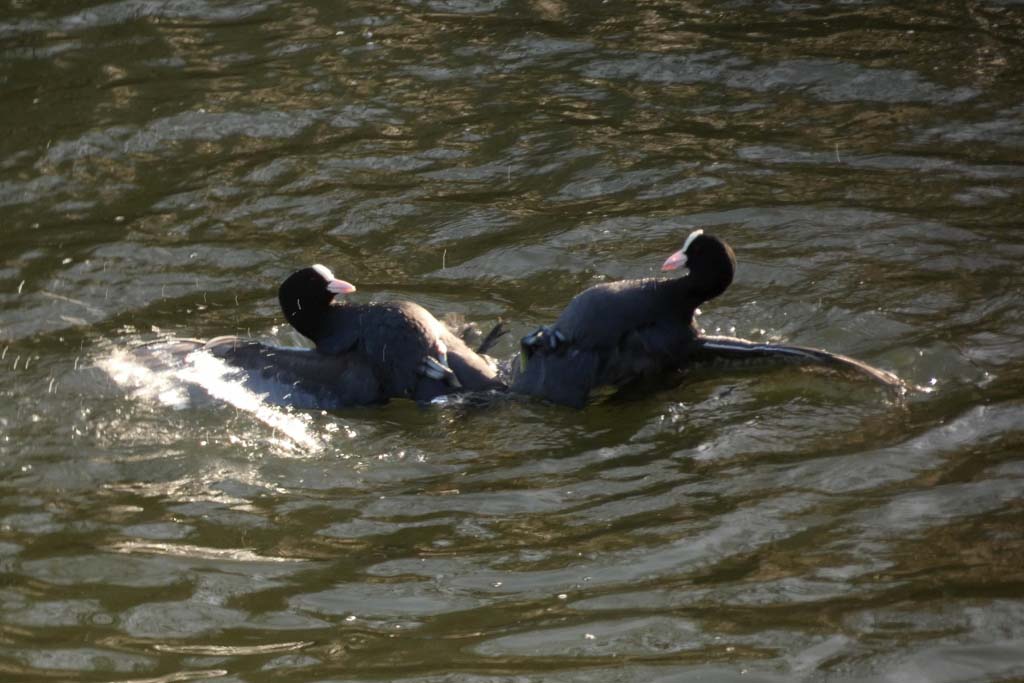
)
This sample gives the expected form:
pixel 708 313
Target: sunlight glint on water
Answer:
pixel 169 387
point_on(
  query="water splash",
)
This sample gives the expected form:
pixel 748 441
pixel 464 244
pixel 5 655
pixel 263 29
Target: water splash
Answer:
pixel 142 382
pixel 170 386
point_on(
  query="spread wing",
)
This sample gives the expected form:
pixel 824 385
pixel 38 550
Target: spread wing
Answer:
pixel 302 378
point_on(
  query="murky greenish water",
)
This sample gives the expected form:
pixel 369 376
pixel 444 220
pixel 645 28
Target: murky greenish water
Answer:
pixel 163 164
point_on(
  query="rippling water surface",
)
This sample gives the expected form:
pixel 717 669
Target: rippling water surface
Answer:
pixel 163 165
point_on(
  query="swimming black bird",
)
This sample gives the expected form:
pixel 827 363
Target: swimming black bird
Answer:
pixel 365 353
pixel 623 332
pixel 412 354
pixel 636 335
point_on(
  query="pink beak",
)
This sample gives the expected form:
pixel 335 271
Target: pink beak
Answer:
pixel 676 260
pixel 340 287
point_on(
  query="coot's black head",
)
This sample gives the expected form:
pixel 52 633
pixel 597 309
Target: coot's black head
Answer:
pixel 711 263
pixel 306 295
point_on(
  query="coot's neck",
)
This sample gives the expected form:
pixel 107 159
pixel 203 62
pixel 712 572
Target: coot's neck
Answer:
pixel 309 317
pixel 679 296
pixel 698 286
pixel 707 286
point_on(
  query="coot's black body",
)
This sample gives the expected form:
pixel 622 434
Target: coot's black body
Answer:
pixel 638 335
pixel 409 351
pixel 626 332
pixel 365 354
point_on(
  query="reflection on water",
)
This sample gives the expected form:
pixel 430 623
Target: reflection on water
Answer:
pixel 169 385
pixel 165 164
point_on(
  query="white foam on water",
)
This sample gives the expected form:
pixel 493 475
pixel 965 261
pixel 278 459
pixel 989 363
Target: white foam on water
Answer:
pixel 143 383
pixel 215 377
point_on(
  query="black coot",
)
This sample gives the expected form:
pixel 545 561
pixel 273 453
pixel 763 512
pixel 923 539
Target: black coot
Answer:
pixel 365 353
pixel 410 352
pixel 636 335
pixel 624 332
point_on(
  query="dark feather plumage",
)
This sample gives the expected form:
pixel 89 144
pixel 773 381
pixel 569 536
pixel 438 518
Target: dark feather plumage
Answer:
pixel 637 335
pixel 400 340
pixel 621 332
